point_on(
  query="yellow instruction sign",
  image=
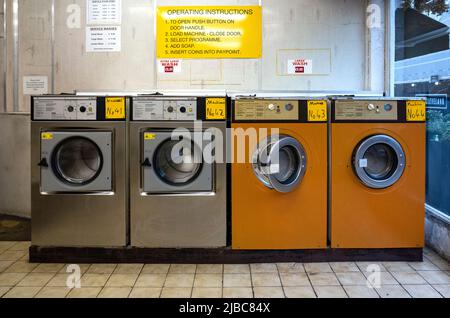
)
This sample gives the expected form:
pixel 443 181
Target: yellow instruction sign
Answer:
pixel 201 32
pixel 216 108
pixel 317 111
pixel 115 108
pixel 46 136
pixel 416 110
pixel 149 136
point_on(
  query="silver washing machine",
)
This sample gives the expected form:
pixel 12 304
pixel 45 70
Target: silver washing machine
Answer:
pixel 79 171
pixel 178 197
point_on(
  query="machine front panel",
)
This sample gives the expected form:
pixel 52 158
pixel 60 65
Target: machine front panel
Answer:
pixel 48 108
pixel 265 109
pixel 164 109
pixel 366 110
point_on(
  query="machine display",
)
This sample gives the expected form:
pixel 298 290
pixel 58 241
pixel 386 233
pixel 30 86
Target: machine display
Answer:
pixel 79 161
pixel 377 173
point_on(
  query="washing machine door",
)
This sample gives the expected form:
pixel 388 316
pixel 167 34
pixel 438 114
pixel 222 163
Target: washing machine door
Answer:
pixel 280 163
pixel 379 161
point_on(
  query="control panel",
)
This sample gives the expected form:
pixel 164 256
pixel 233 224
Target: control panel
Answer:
pixel 164 109
pixel 366 110
pixel 264 109
pixel 70 108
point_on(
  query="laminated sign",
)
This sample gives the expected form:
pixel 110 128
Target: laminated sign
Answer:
pixel 209 32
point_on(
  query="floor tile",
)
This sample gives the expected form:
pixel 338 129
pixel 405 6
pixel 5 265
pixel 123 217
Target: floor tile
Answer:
pixel 94 280
pixel 4 290
pixel 155 269
pixel 435 277
pixel 35 280
pixel 318 268
pixel 236 269
pixel 128 268
pixel 299 292
pixel 268 292
pixel 444 290
pixel 237 292
pixel 323 279
pixel 290 268
pixel 266 280
pixel 179 280
pixel 408 278
pixel 101 269
pixel 66 269
pixel 180 292
pixel 59 280
pixel 294 279
pixel 330 292
pixel 422 291
pixel 86 292
pixel 12 255
pixel 48 268
pixel 200 292
pixel 20 246
pixel 263 268
pixel 208 280
pixel 398 267
pixel 385 278
pixel 236 280
pixel 426 265
pixel 115 292
pixel 121 280
pixel 22 292
pixel 182 268
pixel 21 267
pixel 53 292
pixel 392 291
pixel 344 267
pixel 209 269
pixel 352 278
pixel 360 292
pixel 441 264
pixel 370 266
pixel 138 292
pixel 151 280
pixel 7 244
pixel 10 279
pixel 4 265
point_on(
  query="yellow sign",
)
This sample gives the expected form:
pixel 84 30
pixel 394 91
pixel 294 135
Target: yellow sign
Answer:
pixel 416 110
pixel 149 136
pixel 115 108
pixel 201 32
pixel 317 110
pixel 46 136
pixel 216 108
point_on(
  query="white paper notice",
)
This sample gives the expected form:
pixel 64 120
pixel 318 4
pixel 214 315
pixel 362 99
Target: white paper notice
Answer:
pixel 299 66
pixel 104 12
pixel 35 85
pixel 103 39
pixel 168 66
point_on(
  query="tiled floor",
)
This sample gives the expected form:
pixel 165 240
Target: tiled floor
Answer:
pixel 18 278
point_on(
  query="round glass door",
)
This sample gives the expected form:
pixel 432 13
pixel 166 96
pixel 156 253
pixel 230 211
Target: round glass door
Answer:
pixel 77 161
pixel 176 164
pixel 379 161
pixel 280 163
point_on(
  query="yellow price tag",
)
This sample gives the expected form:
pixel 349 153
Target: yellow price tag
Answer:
pixel 216 108
pixel 149 136
pixel 317 111
pixel 115 108
pixel 416 110
pixel 46 136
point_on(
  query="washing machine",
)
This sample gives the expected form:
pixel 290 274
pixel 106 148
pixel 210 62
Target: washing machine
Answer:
pixel 279 173
pixel 178 172
pixel 78 171
pixel 377 173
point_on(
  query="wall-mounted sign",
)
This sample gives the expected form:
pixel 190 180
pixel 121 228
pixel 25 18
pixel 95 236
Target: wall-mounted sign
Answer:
pixel 103 39
pixel 35 85
pixel 209 32
pixel 169 66
pixel 300 66
pixel 104 11
pixel 435 101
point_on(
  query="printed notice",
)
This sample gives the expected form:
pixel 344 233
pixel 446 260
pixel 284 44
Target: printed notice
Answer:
pixel 300 66
pixel 35 85
pixel 201 32
pixel 103 39
pixel 104 12
pixel 168 66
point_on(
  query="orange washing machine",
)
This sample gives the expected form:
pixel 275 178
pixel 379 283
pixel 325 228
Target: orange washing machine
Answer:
pixel 377 173
pixel 279 173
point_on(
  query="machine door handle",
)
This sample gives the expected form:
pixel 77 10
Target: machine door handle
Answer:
pixel 43 163
pixel 146 163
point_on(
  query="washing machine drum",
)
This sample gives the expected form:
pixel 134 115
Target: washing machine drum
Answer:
pixel 379 161
pixel 280 163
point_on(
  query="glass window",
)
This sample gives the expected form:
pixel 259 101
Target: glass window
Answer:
pixel 422 68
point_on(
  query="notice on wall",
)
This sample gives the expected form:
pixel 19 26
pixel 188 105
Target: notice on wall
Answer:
pixel 169 66
pixel 35 85
pixel 201 32
pixel 104 11
pixel 103 39
pixel 300 66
